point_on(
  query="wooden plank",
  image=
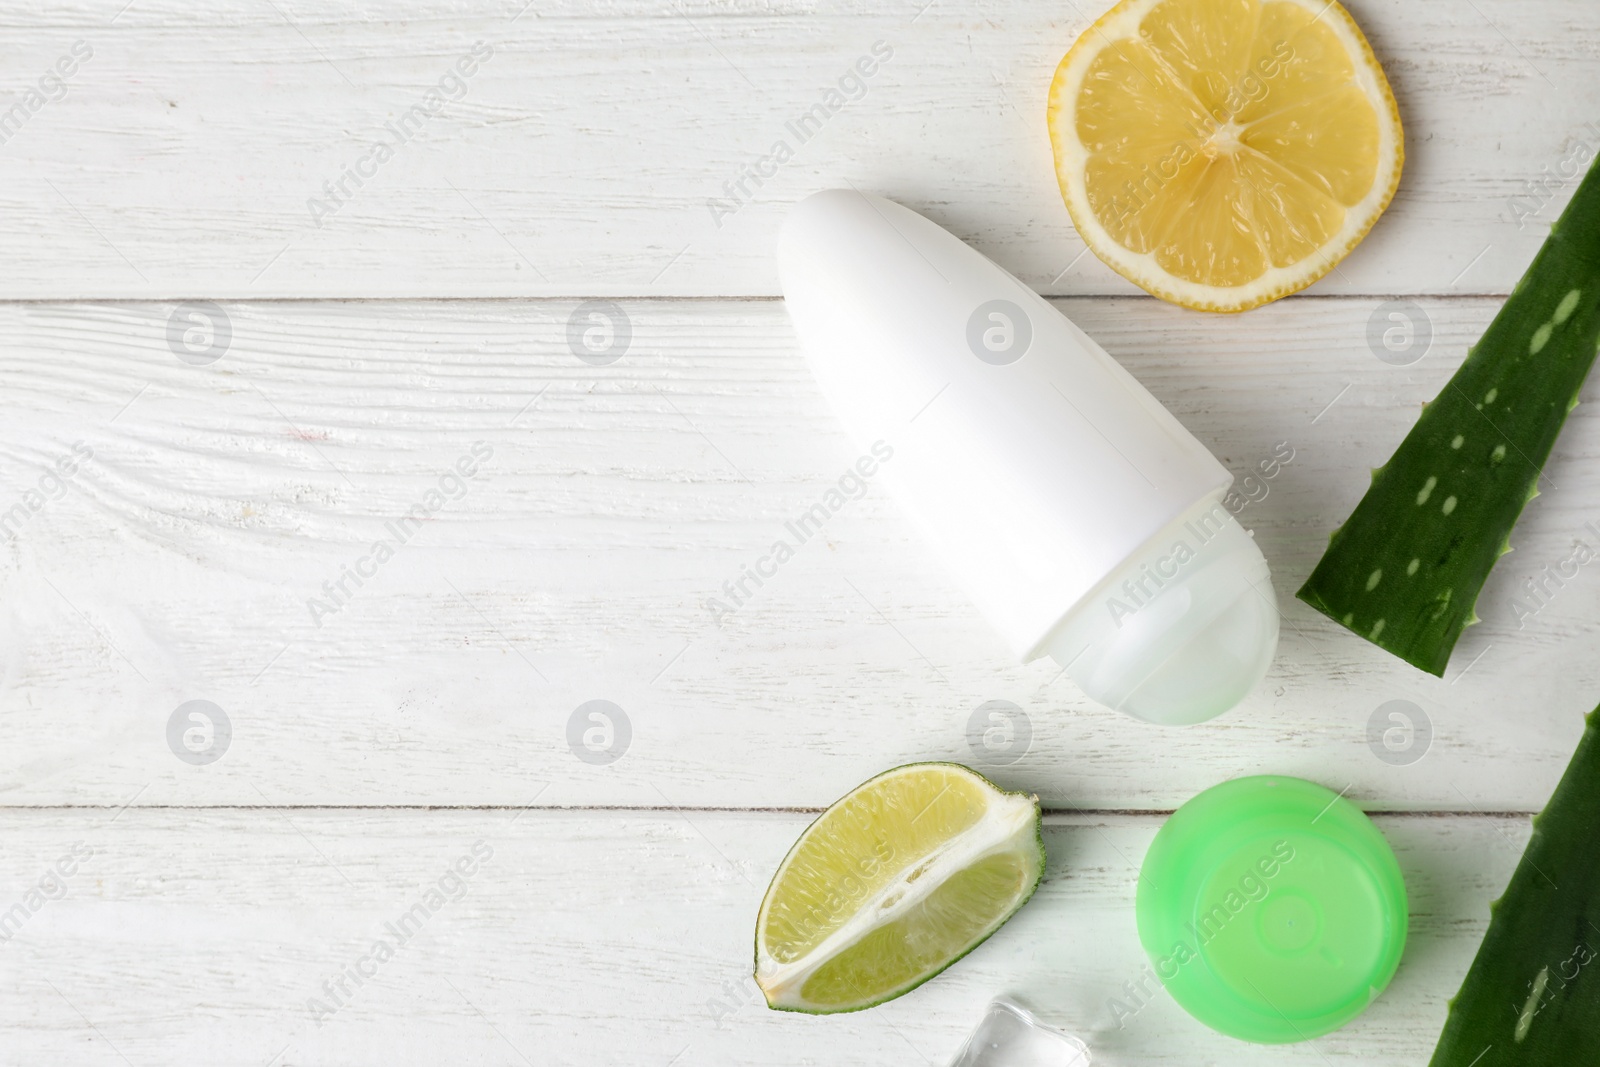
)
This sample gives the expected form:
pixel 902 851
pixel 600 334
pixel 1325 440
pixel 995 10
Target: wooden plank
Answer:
pixel 589 937
pixel 581 157
pixel 186 559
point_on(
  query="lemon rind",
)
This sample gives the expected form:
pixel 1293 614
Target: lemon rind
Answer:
pixel 1122 21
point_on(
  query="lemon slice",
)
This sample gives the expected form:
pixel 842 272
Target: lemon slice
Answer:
pixel 1224 153
pixel 898 880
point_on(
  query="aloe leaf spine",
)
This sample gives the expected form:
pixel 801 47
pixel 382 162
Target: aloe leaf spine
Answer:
pixel 1532 996
pixel 1405 569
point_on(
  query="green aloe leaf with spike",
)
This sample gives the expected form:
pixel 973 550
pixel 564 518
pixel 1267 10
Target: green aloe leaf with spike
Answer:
pixel 1405 569
pixel 1532 996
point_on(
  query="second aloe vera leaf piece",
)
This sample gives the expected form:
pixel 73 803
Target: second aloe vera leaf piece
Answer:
pixel 1532 996
pixel 1405 569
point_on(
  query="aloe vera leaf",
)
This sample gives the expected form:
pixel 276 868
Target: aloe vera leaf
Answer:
pixel 1405 569
pixel 1532 996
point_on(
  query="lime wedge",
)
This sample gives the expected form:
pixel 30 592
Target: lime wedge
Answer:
pixel 899 879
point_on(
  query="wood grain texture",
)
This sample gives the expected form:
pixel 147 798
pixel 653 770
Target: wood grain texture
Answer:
pixel 598 938
pixel 165 526
pixel 182 560
pixel 579 159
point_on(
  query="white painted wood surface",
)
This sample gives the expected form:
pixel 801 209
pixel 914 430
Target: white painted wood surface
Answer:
pixel 579 158
pixel 428 712
pixel 180 562
pixel 599 937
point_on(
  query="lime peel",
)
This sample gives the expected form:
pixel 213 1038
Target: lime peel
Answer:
pixel 940 897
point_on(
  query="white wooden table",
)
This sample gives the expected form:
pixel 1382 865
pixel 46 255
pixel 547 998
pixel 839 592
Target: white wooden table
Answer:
pixel 358 348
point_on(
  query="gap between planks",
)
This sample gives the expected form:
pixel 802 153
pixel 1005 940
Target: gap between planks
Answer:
pixel 699 298
pixel 1047 812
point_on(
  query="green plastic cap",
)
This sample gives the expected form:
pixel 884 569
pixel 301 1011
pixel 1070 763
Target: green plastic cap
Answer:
pixel 1272 909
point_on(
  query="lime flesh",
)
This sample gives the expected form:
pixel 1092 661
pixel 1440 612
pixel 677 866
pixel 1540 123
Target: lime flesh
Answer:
pixel 892 884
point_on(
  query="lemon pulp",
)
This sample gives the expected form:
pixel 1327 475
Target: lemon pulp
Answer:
pixel 1223 153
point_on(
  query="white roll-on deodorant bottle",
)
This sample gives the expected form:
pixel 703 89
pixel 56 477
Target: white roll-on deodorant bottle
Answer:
pixel 1082 519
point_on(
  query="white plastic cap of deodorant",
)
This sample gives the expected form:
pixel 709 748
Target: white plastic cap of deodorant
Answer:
pixel 1082 519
